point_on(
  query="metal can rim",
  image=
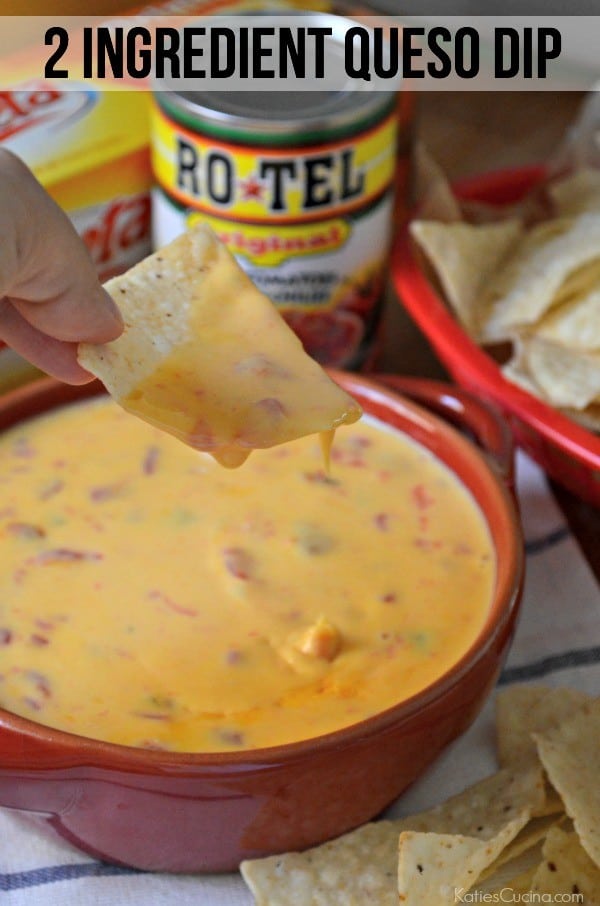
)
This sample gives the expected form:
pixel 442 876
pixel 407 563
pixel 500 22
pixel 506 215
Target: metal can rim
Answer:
pixel 351 106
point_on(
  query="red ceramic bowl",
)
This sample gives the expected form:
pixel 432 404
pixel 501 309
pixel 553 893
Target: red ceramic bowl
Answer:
pixel 568 452
pixel 206 812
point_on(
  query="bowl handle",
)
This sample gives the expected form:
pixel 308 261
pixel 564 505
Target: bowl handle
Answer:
pixel 482 421
pixel 35 775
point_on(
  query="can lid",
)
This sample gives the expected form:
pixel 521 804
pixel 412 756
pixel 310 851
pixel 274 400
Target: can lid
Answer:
pixel 282 112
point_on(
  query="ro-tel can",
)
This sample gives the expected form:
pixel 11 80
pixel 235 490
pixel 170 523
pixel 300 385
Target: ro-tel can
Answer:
pixel 300 187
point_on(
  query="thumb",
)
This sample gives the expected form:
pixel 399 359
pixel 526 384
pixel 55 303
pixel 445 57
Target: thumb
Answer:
pixel 47 273
pixel 79 313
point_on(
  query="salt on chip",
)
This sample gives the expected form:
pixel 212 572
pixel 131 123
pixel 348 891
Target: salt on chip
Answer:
pixel 570 754
pixel 566 869
pixel 464 256
pixel 436 868
pixel 207 357
pixel 526 289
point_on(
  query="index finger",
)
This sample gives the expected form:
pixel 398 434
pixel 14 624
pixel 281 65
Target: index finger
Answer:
pixel 45 268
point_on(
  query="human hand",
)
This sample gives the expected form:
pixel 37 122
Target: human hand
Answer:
pixel 50 296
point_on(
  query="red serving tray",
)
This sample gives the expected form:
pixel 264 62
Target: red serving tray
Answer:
pixel 568 452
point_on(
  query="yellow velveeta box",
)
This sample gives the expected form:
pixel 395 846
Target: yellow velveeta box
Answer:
pixel 89 149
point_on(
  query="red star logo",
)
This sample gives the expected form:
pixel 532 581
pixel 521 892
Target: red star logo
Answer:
pixel 251 188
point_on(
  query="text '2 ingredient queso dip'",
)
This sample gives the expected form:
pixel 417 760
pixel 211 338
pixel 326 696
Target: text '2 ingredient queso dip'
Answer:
pixel 152 598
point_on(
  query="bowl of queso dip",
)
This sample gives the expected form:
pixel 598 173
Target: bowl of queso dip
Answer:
pixel 201 665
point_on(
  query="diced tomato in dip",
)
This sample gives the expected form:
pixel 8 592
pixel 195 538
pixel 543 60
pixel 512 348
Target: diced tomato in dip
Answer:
pixel 151 598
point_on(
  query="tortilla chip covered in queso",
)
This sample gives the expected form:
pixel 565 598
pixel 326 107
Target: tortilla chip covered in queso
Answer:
pixel 206 356
pixel 151 598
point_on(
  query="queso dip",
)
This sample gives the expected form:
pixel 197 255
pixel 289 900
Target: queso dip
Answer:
pixel 151 598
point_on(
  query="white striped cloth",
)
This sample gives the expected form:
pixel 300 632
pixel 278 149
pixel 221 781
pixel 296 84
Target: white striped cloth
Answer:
pixel 557 642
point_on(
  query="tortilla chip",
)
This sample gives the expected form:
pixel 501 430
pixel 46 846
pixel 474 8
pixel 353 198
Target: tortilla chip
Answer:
pixel 362 865
pixel 515 872
pixel 526 708
pixel 527 840
pixel 355 869
pixel 437 868
pixel 207 357
pixel 513 705
pixel 464 257
pixel 571 757
pixel 432 192
pixel 576 193
pixel 526 288
pixel 512 885
pixel 540 286
pixel 567 868
pixel 554 805
pixel 575 323
pixel 523 709
pixel 579 283
pixel 569 378
pixel 484 808
pixel 514 371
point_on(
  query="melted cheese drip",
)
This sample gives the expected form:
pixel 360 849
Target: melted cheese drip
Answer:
pixel 326 439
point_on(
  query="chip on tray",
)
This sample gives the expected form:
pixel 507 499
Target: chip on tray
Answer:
pixel 576 192
pixel 574 324
pixel 539 291
pixel 568 377
pixel 507 833
pixel 465 257
pixel 207 357
pixel 520 293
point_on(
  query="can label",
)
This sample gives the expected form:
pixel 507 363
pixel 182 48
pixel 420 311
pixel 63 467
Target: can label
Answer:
pixel 309 222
